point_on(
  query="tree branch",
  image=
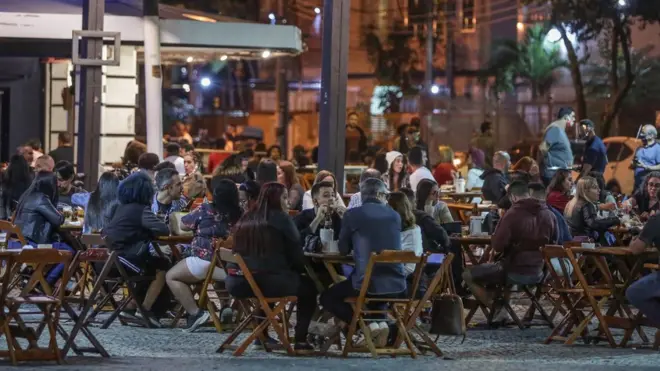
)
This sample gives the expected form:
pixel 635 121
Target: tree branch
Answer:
pixel 629 77
pixel 576 74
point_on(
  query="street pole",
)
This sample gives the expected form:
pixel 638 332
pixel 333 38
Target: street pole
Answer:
pixel 91 88
pixel 153 78
pixel 428 73
pixel 449 54
pixel 282 92
pixel 334 75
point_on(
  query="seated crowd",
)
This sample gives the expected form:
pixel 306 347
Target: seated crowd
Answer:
pixel 398 208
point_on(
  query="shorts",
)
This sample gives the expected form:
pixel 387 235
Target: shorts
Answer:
pixel 199 267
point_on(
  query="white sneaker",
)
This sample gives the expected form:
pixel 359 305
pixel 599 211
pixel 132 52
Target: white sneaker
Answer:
pixel 383 335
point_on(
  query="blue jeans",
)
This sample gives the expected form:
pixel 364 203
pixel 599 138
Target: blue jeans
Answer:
pixel 645 295
pixel 56 272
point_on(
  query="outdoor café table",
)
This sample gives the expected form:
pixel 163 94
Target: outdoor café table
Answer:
pixel 466 197
pixel 623 233
pixel 629 267
pixel 173 241
pixel 330 260
pixel 467 242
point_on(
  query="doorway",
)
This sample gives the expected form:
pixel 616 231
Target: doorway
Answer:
pixel 4 124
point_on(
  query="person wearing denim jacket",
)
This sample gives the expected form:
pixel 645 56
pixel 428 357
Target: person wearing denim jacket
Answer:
pixel 368 229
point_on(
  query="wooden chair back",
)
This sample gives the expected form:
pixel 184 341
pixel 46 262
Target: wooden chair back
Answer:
pixel 13 232
pixel 463 211
pixel 92 240
pixel 42 260
pixel 273 308
pixel 407 301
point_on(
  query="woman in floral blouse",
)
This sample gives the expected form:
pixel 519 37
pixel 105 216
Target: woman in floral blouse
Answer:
pixel 209 221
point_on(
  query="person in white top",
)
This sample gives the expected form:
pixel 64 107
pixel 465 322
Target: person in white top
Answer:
pixel 35 144
pixel 417 157
pixel 322 176
pixel 172 155
pixel 478 163
pixel 411 234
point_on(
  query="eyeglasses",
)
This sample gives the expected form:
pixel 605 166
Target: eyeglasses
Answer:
pixel 654 185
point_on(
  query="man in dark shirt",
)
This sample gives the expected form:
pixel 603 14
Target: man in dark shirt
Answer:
pixel 645 293
pixel 64 150
pixel 595 153
pixel 65 187
pixel 311 221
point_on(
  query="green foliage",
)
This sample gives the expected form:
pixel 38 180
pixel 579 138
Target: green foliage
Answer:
pixel 394 59
pixel 531 63
pixel 645 67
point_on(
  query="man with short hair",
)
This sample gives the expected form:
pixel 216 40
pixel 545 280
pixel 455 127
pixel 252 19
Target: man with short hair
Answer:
pixel 595 153
pixel 172 155
pixel 65 187
pixel 527 226
pixel 64 150
pixel 168 198
pixel 27 152
pixel 496 179
pixel 311 221
pixel 44 163
pixel 555 151
pixel 417 158
pixel 147 162
pixel 356 198
pixel 35 144
pixel 645 292
pixel 365 230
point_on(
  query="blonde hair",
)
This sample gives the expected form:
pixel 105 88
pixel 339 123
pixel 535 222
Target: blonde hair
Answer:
pixel 445 155
pixel 581 195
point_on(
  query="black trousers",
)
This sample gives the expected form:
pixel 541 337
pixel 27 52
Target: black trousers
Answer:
pixel 333 298
pixel 278 285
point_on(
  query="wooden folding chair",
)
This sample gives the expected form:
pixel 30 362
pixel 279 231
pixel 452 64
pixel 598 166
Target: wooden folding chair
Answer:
pixel 440 284
pixel 206 287
pixel 13 232
pixel 463 211
pixel 48 304
pixel 114 279
pixel 97 294
pixel 361 310
pixel 275 316
pixel 582 300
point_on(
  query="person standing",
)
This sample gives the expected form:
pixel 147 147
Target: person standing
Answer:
pixel 595 153
pixel 64 150
pixel 485 142
pixel 647 157
pixel 555 151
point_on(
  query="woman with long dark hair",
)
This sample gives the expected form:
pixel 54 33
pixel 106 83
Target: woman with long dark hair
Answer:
pixel 39 219
pixel 268 240
pixel 210 221
pixel 426 199
pixel 395 177
pixel 100 204
pixel 15 181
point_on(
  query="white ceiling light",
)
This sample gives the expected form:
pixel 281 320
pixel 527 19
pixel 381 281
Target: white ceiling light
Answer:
pixel 265 54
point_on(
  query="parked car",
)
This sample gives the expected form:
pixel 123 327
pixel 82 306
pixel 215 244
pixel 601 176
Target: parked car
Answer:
pixel 620 153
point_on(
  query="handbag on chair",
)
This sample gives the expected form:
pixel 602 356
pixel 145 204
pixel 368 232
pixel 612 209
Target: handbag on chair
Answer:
pixel 447 313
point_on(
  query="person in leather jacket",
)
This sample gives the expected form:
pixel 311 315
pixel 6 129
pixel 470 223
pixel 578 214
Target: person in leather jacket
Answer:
pixel 582 212
pixel 36 213
pixel 39 219
pixel 131 231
